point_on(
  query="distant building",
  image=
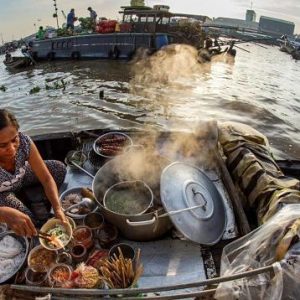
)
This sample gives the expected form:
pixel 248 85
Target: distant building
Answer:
pixel 236 23
pixel 276 26
pixel 250 15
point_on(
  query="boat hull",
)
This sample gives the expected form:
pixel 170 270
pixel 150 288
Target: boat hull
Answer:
pixel 18 62
pixel 93 46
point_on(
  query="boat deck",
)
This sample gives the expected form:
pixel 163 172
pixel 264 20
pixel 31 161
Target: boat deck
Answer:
pixel 173 266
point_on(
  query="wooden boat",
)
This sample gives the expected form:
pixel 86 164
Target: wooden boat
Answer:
pixel 17 62
pixel 296 54
pixel 178 286
pixel 141 27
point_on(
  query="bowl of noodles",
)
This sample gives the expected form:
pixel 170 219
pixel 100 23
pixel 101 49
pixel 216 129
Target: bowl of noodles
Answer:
pixel 60 234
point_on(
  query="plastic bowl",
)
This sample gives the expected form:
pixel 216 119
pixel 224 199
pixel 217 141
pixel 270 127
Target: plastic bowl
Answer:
pixel 50 224
pixel 122 144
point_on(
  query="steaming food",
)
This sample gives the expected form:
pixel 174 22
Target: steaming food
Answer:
pixel 11 256
pixel 128 199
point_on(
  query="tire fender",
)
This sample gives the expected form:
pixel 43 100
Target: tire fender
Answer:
pixel 51 56
pixel 75 55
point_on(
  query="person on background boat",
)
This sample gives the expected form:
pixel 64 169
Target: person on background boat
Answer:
pixel 71 19
pixel 41 33
pixel 93 15
pixel 8 57
pixel 21 166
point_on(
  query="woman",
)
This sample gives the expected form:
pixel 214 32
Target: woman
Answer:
pixel 21 165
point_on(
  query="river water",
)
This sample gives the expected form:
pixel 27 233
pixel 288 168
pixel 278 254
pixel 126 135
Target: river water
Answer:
pixel 167 92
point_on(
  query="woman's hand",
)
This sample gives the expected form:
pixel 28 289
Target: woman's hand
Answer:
pixel 59 214
pixel 19 222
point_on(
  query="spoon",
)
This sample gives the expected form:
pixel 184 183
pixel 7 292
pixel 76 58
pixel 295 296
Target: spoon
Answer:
pixel 87 202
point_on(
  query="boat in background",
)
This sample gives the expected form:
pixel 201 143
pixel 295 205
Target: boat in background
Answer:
pixel 18 62
pixel 141 27
pixel 290 46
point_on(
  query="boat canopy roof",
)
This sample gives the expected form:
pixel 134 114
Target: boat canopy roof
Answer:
pixel 144 11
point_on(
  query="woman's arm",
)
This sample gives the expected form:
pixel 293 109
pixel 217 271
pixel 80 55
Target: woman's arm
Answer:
pixel 42 173
pixel 19 222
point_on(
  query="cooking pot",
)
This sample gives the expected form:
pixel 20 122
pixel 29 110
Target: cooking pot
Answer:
pixel 129 198
pixel 130 166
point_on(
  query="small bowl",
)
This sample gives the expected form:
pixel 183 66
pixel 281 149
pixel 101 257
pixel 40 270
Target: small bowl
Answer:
pixel 41 264
pixel 59 282
pixel 50 224
pixel 93 220
pixel 122 141
pixel 107 235
pixel 127 251
pixel 78 156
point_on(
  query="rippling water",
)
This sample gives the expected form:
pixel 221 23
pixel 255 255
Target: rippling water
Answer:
pixel 259 88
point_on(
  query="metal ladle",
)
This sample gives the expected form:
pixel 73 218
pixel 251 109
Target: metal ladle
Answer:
pixel 82 169
pixel 87 202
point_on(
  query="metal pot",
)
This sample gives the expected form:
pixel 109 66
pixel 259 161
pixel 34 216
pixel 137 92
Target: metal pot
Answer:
pixel 134 165
pixel 139 202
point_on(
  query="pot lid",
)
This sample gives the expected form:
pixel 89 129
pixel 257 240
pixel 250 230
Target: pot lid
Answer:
pixel 184 186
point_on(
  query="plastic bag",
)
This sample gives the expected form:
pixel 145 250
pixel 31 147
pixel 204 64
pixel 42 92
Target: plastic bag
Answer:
pixel 258 249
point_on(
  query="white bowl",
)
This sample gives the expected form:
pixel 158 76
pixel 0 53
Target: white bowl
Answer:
pixel 51 224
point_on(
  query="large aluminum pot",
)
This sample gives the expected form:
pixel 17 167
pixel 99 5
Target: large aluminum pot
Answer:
pixel 134 165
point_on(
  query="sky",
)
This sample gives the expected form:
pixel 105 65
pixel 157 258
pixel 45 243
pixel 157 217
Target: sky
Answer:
pixel 19 18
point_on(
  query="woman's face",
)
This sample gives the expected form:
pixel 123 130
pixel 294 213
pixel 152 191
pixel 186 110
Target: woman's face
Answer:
pixel 9 142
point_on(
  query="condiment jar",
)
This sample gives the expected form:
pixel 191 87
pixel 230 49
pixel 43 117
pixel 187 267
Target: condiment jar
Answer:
pixel 94 221
pixel 83 236
pixel 58 279
pixel 127 251
pixel 64 258
pixel 107 235
pixel 78 253
pixel 35 278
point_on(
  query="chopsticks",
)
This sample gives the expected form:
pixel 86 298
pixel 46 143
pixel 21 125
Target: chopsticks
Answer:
pixel 44 235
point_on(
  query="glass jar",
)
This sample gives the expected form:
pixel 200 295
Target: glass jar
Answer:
pixel 35 278
pixel 79 253
pixel 59 274
pixel 83 236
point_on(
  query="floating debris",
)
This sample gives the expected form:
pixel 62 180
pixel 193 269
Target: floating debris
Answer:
pixel 34 90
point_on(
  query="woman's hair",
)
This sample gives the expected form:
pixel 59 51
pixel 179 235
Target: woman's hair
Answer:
pixel 7 118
